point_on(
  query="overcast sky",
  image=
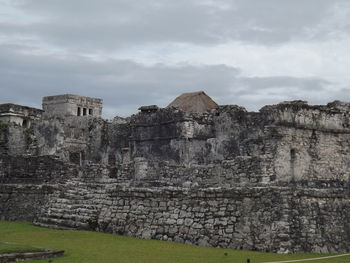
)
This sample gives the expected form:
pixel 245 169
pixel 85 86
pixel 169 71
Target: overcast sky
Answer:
pixel 141 52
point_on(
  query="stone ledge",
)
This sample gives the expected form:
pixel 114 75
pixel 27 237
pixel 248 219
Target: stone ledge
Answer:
pixel 30 255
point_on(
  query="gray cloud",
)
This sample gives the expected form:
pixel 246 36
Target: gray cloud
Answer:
pixel 125 85
pixel 285 82
pixel 68 31
pixel 255 92
pixel 105 25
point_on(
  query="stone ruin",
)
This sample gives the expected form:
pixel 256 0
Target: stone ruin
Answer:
pixel 73 105
pixel 21 115
pixel 194 172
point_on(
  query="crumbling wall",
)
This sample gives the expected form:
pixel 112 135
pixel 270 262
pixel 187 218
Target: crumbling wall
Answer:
pixel 261 219
pixel 289 218
pixel 274 180
pixel 189 138
pixel 244 215
pixel 27 182
pixel 82 140
pixel 22 202
pixel 34 170
pixel 14 139
pixel 3 138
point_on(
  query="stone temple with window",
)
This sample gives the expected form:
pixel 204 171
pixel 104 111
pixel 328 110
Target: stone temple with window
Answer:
pixel 65 105
pixel 73 105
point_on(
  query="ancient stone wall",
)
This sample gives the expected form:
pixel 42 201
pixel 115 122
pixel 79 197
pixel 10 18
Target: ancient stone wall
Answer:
pixel 34 170
pixel 274 180
pixel 299 141
pixel 22 202
pixel 26 182
pixel 264 217
pixel 4 138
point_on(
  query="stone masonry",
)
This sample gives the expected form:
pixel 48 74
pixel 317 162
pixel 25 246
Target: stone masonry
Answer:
pixel 74 105
pixel 21 115
pixel 274 180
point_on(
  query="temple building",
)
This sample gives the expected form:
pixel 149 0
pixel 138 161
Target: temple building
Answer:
pixel 74 105
pixel 21 115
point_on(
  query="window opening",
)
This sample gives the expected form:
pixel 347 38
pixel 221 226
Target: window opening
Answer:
pixel 293 156
pixel 25 123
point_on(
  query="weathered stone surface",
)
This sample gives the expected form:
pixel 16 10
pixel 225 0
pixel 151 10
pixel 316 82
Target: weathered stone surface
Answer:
pixel 274 180
pixel 74 105
pixel 16 257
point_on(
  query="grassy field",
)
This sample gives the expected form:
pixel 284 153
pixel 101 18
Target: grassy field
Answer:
pixel 92 247
pixel 12 248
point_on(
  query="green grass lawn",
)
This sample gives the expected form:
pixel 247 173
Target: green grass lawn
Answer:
pixel 93 247
pixel 18 248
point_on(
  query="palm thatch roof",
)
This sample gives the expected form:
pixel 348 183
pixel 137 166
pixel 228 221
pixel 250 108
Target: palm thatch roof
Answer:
pixel 194 102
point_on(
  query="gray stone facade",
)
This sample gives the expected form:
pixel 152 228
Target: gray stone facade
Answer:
pixel 73 105
pixel 274 180
pixel 21 115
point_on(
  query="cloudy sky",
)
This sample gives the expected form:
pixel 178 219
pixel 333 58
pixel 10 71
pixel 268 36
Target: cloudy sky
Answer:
pixel 141 52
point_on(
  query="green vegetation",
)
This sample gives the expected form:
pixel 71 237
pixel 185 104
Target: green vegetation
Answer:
pixel 92 247
pixel 17 248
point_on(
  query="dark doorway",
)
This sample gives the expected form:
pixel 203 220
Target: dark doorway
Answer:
pixel 25 123
pixel 293 155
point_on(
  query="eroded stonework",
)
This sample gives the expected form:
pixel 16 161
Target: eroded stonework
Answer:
pixel 73 105
pixel 274 180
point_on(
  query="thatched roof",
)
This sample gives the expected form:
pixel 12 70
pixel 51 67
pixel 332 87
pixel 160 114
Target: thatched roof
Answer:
pixel 194 102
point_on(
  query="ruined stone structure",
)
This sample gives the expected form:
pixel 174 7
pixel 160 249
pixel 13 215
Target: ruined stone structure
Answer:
pixel 274 180
pixel 21 115
pixel 73 105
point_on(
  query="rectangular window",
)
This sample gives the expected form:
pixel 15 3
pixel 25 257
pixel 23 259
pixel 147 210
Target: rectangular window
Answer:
pixel 25 123
pixel 79 111
pixel 84 111
pixel 90 111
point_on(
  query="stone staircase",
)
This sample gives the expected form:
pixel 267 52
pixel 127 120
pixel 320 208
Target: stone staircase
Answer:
pixel 74 205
